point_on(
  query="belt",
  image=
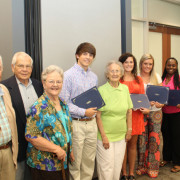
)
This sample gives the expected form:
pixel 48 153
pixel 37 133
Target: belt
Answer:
pixel 78 119
pixel 5 146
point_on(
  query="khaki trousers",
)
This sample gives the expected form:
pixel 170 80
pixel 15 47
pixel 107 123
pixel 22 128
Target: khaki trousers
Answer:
pixel 7 167
pixel 84 148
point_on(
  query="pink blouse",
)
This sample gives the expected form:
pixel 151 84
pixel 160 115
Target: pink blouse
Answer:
pixel 170 109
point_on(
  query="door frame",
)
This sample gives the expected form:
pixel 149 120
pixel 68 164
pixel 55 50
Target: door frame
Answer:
pixel 166 31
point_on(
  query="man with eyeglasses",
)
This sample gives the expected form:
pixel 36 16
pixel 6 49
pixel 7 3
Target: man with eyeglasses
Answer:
pixel 77 80
pixel 24 92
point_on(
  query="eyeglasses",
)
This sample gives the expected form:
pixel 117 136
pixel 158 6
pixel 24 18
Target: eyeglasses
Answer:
pixel 52 82
pixel 115 71
pixel 21 66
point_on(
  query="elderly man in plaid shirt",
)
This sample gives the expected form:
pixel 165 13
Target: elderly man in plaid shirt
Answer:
pixel 8 134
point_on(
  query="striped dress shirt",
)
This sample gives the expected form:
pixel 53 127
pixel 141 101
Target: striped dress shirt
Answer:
pixel 77 81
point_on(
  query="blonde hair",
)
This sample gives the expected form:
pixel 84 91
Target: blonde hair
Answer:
pixel 153 77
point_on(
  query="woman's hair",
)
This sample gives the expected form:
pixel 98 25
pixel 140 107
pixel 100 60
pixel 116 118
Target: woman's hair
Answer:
pixel 176 74
pixel 123 58
pixel 113 62
pixel 153 76
pixel 50 69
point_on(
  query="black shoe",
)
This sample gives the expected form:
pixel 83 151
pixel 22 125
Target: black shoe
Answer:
pixel 131 177
pixel 124 177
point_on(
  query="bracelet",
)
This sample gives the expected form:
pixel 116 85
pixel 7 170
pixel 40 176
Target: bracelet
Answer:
pixel 129 129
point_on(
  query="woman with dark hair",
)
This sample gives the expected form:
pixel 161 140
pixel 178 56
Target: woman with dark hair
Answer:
pixel 149 141
pixel 136 86
pixel 171 118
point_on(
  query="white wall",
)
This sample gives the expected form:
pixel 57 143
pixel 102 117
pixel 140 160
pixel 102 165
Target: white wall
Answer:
pixel 6 36
pixel 18 25
pixel 11 32
pixel 164 12
pixel 137 40
pixel 144 42
pixel 175 44
pixel 67 23
pixel 155 47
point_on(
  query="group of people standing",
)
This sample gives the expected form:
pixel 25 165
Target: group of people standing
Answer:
pixel 59 140
pixel 146 125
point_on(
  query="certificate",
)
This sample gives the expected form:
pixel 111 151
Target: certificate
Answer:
pixel 174 97
pixel 140 101
pixel 88 99
pixel 158 93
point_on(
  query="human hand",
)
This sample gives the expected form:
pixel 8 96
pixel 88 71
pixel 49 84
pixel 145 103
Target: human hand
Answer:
pixel 128 135
pixel 144 110
pixel 178 106
pixel 90 112
pixel 72 156
pixel 159 105
pixel 105 142
pixel 61 154
pixel 152 103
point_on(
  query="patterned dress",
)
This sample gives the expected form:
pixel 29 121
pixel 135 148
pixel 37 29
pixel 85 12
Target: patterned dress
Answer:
pixel 149 143
pixel 44 121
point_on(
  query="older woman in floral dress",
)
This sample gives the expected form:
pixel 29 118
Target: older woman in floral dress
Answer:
pixel 48 130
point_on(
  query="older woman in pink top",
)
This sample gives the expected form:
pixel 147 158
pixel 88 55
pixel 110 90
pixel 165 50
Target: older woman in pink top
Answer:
pixel 171 118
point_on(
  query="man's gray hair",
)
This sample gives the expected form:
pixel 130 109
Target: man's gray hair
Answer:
pixel 114 62
pixel 50 69
pixel 14 59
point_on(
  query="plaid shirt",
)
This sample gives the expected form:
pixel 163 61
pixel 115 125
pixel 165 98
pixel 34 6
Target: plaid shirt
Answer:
pixel 5 131
pixel 77 81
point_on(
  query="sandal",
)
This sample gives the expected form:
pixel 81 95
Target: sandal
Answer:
pixel 124 177
pixel 163 163
pixel 175 170
pixel 141 171
pixel 153 173
pixel 131 177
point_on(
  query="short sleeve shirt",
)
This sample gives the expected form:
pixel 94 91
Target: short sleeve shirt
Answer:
pixel 113 114
pixel 44 121
pixel 170 109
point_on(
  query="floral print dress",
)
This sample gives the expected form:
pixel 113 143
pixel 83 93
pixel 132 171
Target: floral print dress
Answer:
pixel 44 121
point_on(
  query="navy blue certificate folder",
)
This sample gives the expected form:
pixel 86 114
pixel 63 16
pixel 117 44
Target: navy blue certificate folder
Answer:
pixel 158 93
pixel 174 97
pixel 140 101
pixel 88 99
